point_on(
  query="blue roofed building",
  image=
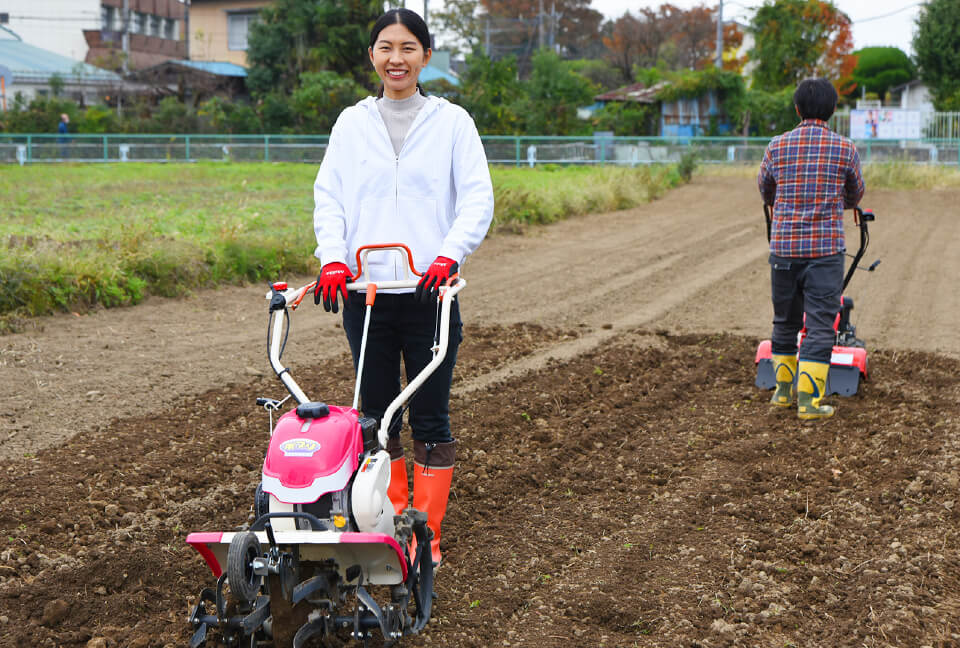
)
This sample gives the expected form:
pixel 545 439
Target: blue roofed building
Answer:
pixel 194 80
pixel 439 69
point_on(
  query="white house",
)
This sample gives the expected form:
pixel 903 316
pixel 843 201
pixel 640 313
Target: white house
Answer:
pixel 913 95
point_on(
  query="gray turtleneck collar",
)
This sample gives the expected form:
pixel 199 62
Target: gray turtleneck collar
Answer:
pixel 398 115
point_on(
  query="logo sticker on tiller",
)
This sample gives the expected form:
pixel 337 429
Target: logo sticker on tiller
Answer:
pixel 299 447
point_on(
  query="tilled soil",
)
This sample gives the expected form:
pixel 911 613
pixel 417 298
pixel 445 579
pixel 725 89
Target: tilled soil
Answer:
pixel 620 481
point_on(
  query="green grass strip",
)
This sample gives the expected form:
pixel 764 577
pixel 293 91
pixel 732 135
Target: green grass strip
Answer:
pixel 876 175
pixel 74 237
pixel 549 193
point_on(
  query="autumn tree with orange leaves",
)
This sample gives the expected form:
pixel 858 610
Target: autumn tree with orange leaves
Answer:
pixel 797 39
pixel 670 38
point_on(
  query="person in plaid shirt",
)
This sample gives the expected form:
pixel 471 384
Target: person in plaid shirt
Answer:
pixel 809 175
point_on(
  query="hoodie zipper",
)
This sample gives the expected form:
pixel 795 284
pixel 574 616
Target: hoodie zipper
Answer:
pixel 417 121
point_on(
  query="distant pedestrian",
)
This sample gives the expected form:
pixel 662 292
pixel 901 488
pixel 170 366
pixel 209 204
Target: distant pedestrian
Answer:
pixel 62 139
pixel 809 175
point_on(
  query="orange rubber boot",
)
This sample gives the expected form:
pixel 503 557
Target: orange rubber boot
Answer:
pixel 432 476
pixel 398 491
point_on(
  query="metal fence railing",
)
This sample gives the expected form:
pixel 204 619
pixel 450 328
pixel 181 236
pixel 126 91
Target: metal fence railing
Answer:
pixel 26 149
pixel 505 150
pixel 933 125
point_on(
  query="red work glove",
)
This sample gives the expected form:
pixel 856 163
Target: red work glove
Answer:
pixel 435 276
pixel 333 278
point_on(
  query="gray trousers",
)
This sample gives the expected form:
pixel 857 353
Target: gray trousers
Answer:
pixel 811 287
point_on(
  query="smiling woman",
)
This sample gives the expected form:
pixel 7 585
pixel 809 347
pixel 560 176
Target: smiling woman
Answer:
pixel 398 55
pixel 403 168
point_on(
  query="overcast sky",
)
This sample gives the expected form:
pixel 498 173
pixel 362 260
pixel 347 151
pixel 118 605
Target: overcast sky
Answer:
pixel 875 22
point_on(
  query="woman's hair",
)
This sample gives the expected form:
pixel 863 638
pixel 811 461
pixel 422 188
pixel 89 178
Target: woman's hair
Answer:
pixel 815 99
pixel 409 19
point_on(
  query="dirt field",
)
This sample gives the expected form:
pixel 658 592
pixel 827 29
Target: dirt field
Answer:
pixel 620 481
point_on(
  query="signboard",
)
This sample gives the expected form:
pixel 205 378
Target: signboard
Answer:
pixel 885 123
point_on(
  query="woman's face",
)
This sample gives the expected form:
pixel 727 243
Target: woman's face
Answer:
pixel 398 57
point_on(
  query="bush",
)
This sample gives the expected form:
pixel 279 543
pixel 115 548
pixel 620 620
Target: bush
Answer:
pixel 687 165
pixel 219 115
pixel 625 118
pixel 173 116
pixel 98 119
pixel 320 98
pixel 41 116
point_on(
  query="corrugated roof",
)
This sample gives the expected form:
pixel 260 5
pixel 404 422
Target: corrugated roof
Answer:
pixel 220 68
pixel 637 92
pixel 31 64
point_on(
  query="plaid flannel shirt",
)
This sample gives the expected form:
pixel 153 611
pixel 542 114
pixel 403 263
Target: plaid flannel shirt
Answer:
pixel 809 175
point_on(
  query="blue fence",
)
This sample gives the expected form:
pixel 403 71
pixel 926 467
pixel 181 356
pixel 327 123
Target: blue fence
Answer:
pixel 507 150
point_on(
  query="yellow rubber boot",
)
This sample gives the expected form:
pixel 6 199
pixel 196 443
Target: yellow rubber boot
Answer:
pixel 432 476
pixel 785 371
pixel 398 490
pixel 811 388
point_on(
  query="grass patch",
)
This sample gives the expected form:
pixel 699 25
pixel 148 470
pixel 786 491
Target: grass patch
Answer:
pixel 882 175
pixel 549 193
pixel 74 237
pixel 904 175
pixel 79 236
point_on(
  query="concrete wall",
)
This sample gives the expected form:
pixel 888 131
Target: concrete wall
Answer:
pixel 208 29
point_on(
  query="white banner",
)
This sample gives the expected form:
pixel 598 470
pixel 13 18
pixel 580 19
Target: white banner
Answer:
pixel 885 123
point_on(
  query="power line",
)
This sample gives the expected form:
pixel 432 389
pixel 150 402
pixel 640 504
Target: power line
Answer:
pixel 887 15
pixel 92 16
pixel 861 20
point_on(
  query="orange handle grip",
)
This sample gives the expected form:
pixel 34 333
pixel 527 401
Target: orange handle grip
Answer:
pixel 303 293
pixel 379 246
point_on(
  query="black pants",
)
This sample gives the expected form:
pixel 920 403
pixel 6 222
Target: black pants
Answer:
pixel 400 326
pixel 811 287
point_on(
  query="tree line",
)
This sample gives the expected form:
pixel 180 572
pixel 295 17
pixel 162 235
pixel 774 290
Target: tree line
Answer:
pixel 531 66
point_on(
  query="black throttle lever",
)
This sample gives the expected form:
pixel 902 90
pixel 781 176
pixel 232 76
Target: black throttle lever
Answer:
pixel 277 300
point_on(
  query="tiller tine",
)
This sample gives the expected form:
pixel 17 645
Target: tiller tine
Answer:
pixel 232 628
pixel 420 581
pixel 389 622
pixel 308 587
pixel 200 620
pixel 319 627
pixel 254 621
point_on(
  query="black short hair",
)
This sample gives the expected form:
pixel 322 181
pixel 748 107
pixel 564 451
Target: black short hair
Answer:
pixel 815 99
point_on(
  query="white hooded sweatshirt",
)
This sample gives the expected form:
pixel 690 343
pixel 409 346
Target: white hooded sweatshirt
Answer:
pixel 435 196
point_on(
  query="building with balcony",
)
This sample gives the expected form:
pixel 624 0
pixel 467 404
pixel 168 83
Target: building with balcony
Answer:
pixel 219 29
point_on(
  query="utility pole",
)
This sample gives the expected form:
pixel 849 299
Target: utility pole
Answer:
pixel 719 61
pixel 186 25
pixel 540 25
pixel 486 37
pixel 555 17
pixel 125 35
